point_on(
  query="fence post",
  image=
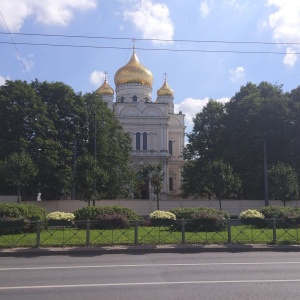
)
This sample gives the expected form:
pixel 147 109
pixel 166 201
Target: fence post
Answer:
pixel 136 233
pixel 182 231
pixel 229 230
pixel 88 225
pixel 274 231
pixel 38 234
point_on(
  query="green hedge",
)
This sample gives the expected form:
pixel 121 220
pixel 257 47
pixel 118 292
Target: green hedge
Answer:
pixel 188 212
pixel 20 211
pixel 202 218
pixel 92 212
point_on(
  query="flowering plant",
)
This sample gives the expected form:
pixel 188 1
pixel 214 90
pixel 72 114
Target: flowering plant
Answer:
pixel 59 215
pixel 251 213
pixel 161 214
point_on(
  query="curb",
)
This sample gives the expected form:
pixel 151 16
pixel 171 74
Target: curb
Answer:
pixel 88 251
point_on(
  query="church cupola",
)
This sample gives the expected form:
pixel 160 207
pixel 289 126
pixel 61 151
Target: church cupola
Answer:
pixel 106 92
pixel 133 81
pixel 166 95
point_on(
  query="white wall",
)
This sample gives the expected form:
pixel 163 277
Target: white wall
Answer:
pixel 144 207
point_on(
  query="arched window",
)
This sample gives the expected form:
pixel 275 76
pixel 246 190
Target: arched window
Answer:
pixel 145 141
pixel 122 99
pixel 138 141
pixel 134 98
pixel 171 186
pixel 171 147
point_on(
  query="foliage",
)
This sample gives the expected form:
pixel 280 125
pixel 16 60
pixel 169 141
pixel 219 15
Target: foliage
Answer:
pixel 87 172
pixel 59 215
pixel 22 211
pixel 91 212
pixel 274 212
pixel 161 214
pixel 112 221
pixel 283 181
pixel 188 212
pixel 207 221
pixel 214 178
pixel 252 217
pixel 56 126
pixel 288 217
pixel 235 133
pixel 251 213
pixel 18 169
pixel 154 174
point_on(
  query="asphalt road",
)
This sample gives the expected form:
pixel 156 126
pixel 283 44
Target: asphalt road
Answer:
pixel 246 275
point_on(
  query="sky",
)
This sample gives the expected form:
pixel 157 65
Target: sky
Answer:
pixel 207 48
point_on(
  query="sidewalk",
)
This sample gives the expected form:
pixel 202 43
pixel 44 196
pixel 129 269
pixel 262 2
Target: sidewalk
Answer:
pixel 88 251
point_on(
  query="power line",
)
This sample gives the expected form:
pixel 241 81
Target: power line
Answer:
pixel 13 42
pixel 151 49
pixel 156 40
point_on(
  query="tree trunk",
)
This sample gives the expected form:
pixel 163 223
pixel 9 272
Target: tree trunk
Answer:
pixel 157 202
pixel 220 204
pixel 19 194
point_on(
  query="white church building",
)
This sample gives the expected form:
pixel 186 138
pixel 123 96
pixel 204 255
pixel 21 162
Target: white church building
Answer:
pixel 157 133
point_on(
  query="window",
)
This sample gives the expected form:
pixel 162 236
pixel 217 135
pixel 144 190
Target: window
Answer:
pixel 171 186
pixel 122 99
pixel 134 98
pixel 145 141
pixel 171 147
pixel 138 141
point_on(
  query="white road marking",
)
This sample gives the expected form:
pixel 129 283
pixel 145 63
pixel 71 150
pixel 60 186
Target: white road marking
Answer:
pixel 148 283
pixel 148 265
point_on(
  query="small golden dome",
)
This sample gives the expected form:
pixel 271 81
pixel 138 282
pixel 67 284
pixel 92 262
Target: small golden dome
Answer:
pixel 165 90
pixel 134 72
pixel 105 89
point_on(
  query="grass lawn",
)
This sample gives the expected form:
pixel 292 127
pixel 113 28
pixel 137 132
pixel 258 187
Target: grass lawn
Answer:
pixel 59 237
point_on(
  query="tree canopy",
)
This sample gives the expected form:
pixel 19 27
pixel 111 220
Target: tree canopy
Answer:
pixel 56 126
pixel 235 133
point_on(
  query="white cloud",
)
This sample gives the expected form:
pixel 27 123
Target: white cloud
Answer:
pixel 2 80
pixel 190 107
pixel 237 73
pixel 27 63
pixel 49 12
pixel 97 78
pixel 204 8
pixel 290 58
pixel 152 19
pixel 285 24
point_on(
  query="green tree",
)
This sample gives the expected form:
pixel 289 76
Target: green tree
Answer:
pixel 221 181
pixel 212 179
pixel 86 176
pixel 283 182
pixel 18 170
pixel 110 145
pixel 153 174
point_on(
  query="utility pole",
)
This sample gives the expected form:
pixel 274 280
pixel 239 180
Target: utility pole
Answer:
pixel 95 156
pixel 266 189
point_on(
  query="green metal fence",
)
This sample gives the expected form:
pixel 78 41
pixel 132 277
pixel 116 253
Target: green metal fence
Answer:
pixel 86 233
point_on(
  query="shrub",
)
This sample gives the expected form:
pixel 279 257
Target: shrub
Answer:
pixel 114 221
pixel 91 212
pixel 161 214
pixel 22 211
pixel 188 212
pixel 58 215
pixel 273 212
pixel 207 221
pixel 252 217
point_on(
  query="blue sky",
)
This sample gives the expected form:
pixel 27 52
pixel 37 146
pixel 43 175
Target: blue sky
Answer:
pixel 209 67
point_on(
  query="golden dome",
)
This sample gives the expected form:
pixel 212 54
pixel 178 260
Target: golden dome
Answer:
pixel 165 90
pixel 105 89
pixel 133 72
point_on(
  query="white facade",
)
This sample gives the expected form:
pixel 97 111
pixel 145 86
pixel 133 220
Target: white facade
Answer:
pixel 157 133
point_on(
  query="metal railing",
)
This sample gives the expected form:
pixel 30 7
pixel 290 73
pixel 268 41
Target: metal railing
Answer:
pixel 87 233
